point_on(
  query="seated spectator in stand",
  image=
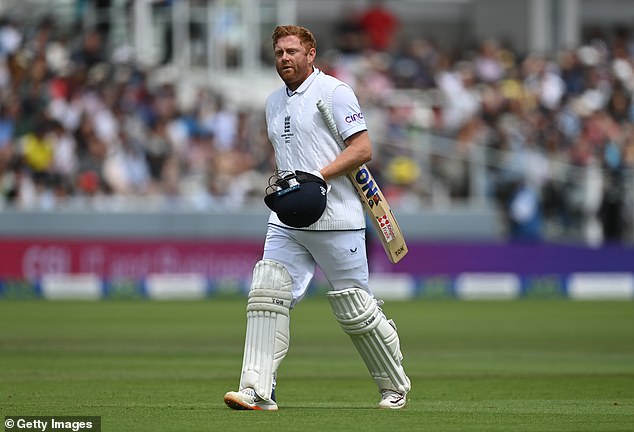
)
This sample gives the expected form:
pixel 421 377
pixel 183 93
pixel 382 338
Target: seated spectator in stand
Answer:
pixel 574 107
pixel 36 148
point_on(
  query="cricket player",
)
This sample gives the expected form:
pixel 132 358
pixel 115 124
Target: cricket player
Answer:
pixel 316 219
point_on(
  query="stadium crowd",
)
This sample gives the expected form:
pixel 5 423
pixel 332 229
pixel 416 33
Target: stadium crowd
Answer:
pixel 81 123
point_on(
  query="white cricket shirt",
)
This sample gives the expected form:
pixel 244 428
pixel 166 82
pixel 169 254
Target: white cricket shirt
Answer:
pixel 302 141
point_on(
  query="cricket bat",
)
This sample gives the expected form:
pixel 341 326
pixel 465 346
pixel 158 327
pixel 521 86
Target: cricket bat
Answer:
pixel 374 202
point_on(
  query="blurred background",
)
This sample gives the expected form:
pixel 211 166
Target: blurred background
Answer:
pixel 133 153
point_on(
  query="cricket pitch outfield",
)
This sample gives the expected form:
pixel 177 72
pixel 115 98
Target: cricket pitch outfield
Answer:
pixel 524 365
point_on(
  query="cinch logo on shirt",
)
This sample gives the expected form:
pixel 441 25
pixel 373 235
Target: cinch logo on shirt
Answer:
pixel 354 117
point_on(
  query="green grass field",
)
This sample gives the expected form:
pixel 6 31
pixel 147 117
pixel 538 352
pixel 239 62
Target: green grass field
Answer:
pixel 527 365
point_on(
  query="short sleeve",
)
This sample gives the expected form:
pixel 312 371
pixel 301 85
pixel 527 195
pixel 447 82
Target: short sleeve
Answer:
pixel 347 112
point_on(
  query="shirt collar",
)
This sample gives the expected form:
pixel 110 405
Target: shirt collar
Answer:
pixel 307 82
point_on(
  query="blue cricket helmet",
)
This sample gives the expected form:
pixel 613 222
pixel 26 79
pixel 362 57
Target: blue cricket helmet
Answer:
pixel 298 198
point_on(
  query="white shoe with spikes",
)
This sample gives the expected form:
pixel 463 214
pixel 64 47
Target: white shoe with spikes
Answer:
pixel 391 399
pixel 247 399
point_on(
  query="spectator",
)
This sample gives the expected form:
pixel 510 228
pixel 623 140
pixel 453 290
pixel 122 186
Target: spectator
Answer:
pixel 488 63
pixel 37 149
pixel 611 209
pixel 379 24
pixel 72 123
pixel 349 32
pixel 525 214
pixel 126 169
pixel 414 64
pixel 158 151
pixel 10 37
pixel 64 162
pixel 461 98
pixel 90 52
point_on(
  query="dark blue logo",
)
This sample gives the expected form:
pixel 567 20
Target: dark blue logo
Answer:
pixel 354 117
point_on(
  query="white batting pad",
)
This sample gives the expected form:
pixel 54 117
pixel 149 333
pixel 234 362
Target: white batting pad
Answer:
pixel 268 330
pixel 373 335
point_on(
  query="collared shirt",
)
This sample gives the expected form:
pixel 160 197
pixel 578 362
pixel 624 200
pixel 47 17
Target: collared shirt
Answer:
pixel 302 141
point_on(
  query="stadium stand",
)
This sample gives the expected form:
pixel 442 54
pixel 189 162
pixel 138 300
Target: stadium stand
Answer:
pixel 547 139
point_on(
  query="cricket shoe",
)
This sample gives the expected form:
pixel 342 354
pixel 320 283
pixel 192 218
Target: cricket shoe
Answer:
pixel 391 399
pixel 247 399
